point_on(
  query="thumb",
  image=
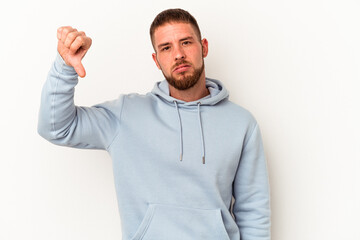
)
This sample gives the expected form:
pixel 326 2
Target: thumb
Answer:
pixel 80 70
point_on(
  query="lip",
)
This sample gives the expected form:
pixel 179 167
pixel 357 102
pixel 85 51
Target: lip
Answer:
pixel 182 68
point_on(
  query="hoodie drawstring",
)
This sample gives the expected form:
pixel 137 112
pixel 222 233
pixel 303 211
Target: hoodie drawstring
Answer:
pixel 181 140
pixel 181 133
pixel 201 134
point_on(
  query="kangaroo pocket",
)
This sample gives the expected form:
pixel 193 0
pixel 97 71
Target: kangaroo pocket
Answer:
pixel 164 222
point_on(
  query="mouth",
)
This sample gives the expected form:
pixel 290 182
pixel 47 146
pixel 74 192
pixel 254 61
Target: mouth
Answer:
pixel 181 68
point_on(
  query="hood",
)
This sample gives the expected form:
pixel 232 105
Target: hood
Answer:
pixel 217 93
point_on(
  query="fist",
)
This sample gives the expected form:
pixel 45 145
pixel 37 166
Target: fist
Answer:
pixel 72 46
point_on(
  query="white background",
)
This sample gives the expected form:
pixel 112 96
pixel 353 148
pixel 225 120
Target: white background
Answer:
pixel 294 64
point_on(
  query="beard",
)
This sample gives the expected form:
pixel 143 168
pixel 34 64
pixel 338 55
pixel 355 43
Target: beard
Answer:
pixel 187 80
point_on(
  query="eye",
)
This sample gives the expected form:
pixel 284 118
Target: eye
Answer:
pixel 186 42
pixel 165 48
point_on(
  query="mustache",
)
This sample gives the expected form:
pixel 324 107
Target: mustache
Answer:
pixel 180 63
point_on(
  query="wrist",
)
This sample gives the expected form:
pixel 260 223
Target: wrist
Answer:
pixel 63 66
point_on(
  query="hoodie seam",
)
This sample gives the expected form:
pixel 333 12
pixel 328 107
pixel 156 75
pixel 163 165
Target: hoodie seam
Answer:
pixel 243 147
pixel 119 122
pixel 53 110
pixel 252 132
pixel 59 67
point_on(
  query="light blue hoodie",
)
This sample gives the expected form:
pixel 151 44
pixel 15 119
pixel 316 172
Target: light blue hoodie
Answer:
pixel 176 164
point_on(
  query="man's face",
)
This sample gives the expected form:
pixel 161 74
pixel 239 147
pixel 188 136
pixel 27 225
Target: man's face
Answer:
pixel 179 54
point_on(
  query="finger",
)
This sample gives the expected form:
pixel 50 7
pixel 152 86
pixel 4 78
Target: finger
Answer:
pixel 80 70
pixel 76 44
pixel 70 38
pixel 65 31
pixel 80 42
pixel 59 30
pixel 87 42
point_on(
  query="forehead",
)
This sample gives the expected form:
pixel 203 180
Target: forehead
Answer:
pixel 173 31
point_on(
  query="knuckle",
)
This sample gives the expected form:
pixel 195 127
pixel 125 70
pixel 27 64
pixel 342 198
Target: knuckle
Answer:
pixel 65 31
pixel 67 44
pixel 72 35
pixel 73 48
pixel 79 39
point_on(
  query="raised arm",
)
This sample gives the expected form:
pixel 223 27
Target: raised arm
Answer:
pixel 60 121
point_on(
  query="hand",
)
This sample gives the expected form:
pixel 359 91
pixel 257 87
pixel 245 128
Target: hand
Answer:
pixel 72 46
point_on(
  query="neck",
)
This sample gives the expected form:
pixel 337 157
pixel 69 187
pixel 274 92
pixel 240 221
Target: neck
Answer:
pixel 198 91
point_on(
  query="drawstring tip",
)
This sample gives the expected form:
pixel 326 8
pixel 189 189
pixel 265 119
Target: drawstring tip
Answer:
pixel 203 158
pixel 180 157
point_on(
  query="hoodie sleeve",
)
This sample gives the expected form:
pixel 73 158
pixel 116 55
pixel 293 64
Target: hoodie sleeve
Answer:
pixel 251 191
pixel 63 123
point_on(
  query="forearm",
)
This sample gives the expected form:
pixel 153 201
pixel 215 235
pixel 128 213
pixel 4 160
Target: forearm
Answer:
pixel 57 109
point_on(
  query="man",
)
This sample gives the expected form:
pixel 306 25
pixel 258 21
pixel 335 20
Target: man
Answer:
pixel 180 152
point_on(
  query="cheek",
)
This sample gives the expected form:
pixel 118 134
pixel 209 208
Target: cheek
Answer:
pixel 197 54
pixel 164 65
pixel 165 62
pixel 198 58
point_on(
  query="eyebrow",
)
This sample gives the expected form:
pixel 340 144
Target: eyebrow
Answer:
pixel 182 39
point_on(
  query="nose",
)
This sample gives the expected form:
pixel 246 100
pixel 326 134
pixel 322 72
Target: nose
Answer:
pixel 179 53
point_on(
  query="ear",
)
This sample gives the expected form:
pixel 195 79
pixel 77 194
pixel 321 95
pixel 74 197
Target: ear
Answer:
pixel 155 60
pixel 205 47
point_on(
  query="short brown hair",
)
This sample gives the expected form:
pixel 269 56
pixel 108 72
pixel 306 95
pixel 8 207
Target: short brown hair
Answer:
pixel 173 15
